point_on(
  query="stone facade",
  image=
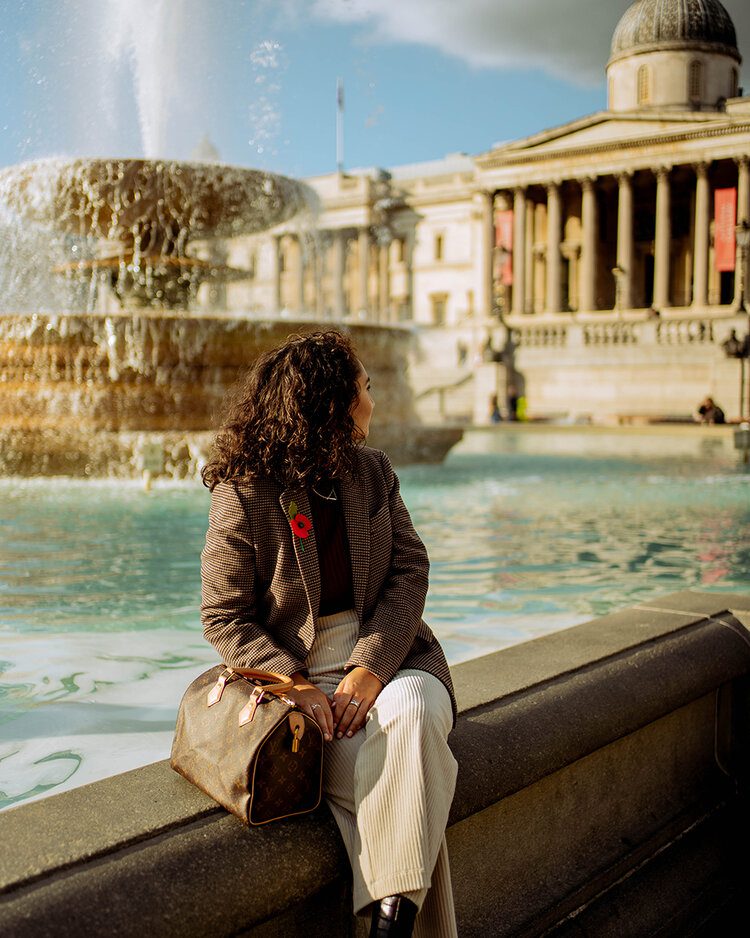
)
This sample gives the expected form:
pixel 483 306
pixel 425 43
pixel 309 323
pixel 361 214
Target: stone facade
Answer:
pixel 589 250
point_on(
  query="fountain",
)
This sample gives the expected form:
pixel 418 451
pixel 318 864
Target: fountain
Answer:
pixel 129 223
pixel 86 392
pixel 105 361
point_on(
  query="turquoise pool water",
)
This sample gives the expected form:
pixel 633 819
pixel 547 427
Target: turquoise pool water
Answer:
pixel 527 532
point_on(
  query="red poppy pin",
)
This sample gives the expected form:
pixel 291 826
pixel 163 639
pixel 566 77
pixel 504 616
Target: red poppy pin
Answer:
pixel 301 524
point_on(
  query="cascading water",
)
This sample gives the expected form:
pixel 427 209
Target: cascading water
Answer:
pixel 84 395
pixel 101 261
pixel 126 226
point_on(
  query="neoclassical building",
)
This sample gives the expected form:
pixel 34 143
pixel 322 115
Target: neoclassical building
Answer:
pixel 600 256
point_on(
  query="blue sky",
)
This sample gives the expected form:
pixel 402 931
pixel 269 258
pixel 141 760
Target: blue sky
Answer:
pixel 422 77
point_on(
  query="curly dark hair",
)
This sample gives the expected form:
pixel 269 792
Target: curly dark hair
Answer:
pixel 290 418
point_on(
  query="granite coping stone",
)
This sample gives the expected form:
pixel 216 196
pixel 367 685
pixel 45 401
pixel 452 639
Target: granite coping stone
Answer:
pixel 514 742
pixel 505 701
pixel 519 667
pixel 207 878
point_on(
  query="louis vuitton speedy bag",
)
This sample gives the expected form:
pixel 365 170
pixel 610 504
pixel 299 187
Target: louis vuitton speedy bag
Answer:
pixel 243 743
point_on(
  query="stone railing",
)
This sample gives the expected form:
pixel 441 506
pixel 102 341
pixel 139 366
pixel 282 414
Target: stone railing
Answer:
pixel 684 331
pixel 610 333
pixel 445 402
pixel 602 791
pixel 652 330
pixel 550 336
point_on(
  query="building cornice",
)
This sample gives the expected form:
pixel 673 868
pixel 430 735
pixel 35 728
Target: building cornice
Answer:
pixel 508 160
pixel 678 45
pixel 565 131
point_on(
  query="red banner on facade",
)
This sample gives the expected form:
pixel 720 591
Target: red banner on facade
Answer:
pixel 504 247
pixel 725 214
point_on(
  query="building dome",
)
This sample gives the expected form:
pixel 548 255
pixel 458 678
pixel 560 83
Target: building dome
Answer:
pixel 675 24
pixel 674 55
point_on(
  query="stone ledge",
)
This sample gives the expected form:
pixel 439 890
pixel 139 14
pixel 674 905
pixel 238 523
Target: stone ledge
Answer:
pixel 145 852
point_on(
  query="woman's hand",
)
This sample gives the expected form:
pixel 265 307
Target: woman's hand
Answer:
pixel 313 702
pixel 352 699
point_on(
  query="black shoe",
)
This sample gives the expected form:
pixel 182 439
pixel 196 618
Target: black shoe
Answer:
pixel 393 917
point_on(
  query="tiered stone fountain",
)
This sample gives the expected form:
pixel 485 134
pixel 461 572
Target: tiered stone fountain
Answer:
pixel 87 392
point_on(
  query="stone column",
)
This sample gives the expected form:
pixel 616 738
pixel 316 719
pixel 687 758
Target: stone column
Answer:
pixel 743 214
pixel 554 258
pixel 529 263
pixel 662 240
pixel 300 274
pixel 410 275
pixel 276 247
pixel 588 246
pixel 519 250
pixel 625 253
pixel 384 285
pixel 700 244
pixel 319 266
pixel 363 242
pixel 487 247
pixel 339 256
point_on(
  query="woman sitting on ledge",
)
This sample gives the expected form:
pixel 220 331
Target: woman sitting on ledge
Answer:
pixel 312 568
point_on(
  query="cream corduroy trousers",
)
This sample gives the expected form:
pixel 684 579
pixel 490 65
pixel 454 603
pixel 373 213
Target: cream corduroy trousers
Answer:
pixel 390 786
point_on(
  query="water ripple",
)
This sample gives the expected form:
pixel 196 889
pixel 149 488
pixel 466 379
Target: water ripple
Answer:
pixel 100 585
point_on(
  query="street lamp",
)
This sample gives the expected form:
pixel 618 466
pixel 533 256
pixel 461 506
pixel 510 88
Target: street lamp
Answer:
pixel 734 346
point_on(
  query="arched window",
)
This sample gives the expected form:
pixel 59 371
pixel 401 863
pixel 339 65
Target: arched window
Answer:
pixel 695 81
pixel 644 85
pixel 611 95
pixel 735 84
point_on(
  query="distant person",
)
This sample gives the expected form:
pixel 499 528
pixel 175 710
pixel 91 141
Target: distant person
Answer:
pixel 710 412
pixel 512 400
pixel 495 415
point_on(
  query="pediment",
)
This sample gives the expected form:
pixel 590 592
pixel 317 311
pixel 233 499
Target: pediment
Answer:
pixel 600 128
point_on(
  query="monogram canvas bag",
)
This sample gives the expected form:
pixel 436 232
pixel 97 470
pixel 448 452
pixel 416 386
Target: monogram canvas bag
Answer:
pixel 241 741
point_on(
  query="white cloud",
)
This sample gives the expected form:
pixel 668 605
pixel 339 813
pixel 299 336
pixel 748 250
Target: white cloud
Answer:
pixel 565 38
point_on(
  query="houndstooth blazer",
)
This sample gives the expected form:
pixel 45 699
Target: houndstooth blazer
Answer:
pixel 261 583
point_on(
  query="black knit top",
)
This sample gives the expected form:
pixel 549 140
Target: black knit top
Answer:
pixel 336 590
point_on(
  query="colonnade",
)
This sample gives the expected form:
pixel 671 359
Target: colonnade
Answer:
pixel 585 252
pixel 334 273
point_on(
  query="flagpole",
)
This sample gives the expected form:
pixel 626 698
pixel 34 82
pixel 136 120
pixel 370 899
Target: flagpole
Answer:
pixel 340 125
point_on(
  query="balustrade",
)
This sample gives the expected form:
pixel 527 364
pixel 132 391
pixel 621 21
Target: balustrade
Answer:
pixel 610 333
pixel 684 331
pixel 541 336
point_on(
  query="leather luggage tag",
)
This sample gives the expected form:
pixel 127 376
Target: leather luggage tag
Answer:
pixel 297 726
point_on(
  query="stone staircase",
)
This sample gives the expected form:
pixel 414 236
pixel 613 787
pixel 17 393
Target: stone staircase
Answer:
pixel 443 395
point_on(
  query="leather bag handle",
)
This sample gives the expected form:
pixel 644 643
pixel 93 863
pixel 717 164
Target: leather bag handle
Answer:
pixel 277 683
